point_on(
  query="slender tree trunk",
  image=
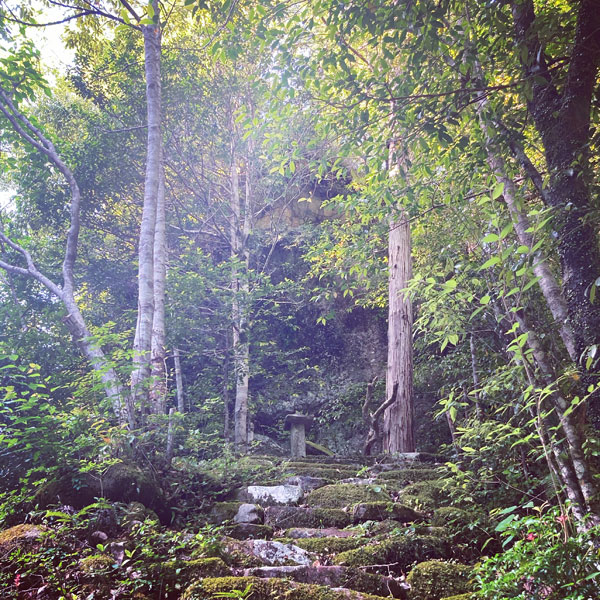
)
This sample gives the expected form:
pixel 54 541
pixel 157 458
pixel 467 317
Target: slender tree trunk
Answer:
pixel 240 288
pixel 179 381
pixel 158 384
pixel 475 377
pixel 398 421
pixel 143 335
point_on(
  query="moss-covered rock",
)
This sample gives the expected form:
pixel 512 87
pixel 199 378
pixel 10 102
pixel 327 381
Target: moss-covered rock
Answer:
pixel 282 517
pixel 186 571
pixel 461 597
pixel 332 545
pixel 425 495
pixel 468 529
pixel 435 579
pixel 121 482
pixel 345 494
pixel 20 535
pixel 136 512
pixel 97 564
pixel 249 531
pixel 223 511
pixel 401 552
pixel 381 511
pixel 407 476
pixel 269 589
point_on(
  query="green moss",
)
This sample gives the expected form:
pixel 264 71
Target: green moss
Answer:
pixel 401 551
pixel 20 535
pixel 178 571
pixel 96 563
pixel 269 589
pixel 381 511
pixel 436 579
pixel 327 545
pixel 326 471
pixel 466 528
pixel 223 511
pixel 345 494
pixel 283 516
pixel 425 495
pixel 461 597
pixel 406 476
pixel 317 449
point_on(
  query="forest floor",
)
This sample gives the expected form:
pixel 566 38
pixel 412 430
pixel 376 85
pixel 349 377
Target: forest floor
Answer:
pixel 313 528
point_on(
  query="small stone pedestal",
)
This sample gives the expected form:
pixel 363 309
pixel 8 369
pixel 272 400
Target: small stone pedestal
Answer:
pixel 298 424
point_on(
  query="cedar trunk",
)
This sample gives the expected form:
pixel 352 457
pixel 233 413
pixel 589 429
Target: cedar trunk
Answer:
pixel 398 421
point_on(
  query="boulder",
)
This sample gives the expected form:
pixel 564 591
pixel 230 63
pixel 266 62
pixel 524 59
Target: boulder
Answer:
pixel 276 553
pixel 20 536
pixel 276 495
pixel 249 513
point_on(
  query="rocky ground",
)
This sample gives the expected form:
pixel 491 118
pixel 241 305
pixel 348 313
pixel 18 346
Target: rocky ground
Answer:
pixel 322 529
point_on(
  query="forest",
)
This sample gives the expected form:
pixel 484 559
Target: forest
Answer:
pixel 299 299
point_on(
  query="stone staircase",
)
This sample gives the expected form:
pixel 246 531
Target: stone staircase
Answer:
pixel 333 529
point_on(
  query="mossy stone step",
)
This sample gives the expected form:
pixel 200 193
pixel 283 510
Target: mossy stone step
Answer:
pixel 313 532
pixel 269 589
pixel 326 545
pixel 345 494
pixel 397 554
pixel 426 495
pixel 434 579
pixel 382 511
pixel 334 577
pixel 284 517
pixel 406 476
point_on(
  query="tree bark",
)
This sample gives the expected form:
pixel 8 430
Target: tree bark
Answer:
pixel 562 118
pixel 143 335
pixel 239 230
pixel 398 421
pixel 179 381
pixel 158 382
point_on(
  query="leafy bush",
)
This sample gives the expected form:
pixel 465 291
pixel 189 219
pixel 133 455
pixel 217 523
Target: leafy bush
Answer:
pixel 544 562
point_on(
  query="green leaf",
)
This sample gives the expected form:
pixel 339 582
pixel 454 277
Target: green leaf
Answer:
pixel 490 237
pixel 485 300
pixel 497 191
pixel 490 263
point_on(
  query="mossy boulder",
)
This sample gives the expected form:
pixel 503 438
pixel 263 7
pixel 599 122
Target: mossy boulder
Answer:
pixel 223 511
pixel 381 511
pixel 331 545
pixel 269 589
pixel 435 579
pixel 282 517
pixel 345 494
pixel 121 482
pixel 425 495
pixel 97 564
pixel 20 536
pixel 401 552
pixel 135 513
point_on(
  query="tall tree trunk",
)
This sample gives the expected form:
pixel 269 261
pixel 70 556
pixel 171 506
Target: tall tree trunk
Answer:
pixel 398 421
pixel 240 289
pixel 562 118
pixel 158 383
pixel 143 335
pixel 179 381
